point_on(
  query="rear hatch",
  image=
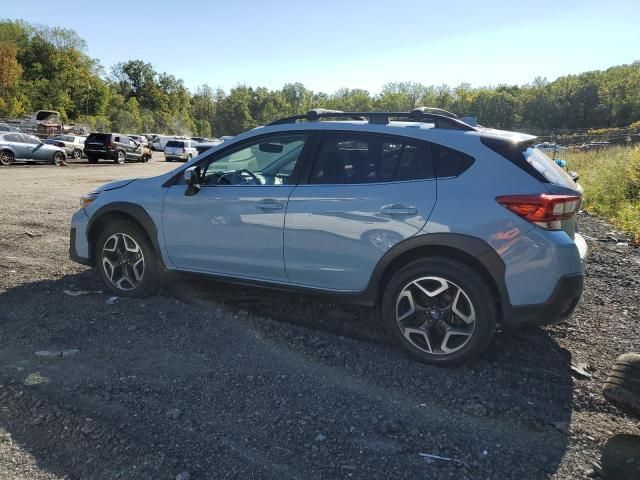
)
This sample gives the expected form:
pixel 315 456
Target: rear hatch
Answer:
pixel 98 141
pixel 520 149
pixel 174 147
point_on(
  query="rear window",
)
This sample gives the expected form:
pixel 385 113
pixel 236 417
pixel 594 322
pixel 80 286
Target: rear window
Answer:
pixel 98 137
pixel 175 143
pixel 548 168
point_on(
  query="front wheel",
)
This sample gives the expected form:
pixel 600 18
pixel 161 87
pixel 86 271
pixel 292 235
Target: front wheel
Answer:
pixel 120 157
pixel 76 154
pixel 126 261
pixel 58 159
pixel 439 310
pixel 145 158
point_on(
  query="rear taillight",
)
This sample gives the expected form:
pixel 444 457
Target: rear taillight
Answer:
pixel 108 144
pixel 546 211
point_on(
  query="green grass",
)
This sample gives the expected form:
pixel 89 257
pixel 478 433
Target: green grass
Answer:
pixel 611 181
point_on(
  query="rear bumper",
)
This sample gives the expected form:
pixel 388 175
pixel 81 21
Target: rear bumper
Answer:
pixel 172 156
pixel 106 154
pixel 558 307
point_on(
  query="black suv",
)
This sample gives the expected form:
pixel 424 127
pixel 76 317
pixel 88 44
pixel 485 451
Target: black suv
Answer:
pixel 114 146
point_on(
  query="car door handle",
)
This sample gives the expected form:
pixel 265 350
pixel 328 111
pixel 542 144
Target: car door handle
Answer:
pixel 269 205
pixel 399 209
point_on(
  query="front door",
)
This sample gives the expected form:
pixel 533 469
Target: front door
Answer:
pixel 365 193
pixel 233 225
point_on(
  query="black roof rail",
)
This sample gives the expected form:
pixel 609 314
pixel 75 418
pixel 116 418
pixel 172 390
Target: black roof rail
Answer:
pixel 440 118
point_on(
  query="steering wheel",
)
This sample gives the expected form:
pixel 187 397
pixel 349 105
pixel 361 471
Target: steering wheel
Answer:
pixel 239 174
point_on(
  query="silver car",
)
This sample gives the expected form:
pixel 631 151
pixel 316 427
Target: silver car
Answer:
pixel 73 145
pixel 20 147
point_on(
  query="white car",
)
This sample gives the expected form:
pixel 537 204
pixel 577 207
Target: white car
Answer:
pixel 183 150
pixel 73 145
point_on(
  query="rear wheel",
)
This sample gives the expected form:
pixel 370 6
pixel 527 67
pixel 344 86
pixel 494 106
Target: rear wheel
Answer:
pixel 120 157
pixel 439 310
pixel 7 157
pixel 189 157
pixel 145 158
pixel 126 261
pixel 92 159
pixel 76 154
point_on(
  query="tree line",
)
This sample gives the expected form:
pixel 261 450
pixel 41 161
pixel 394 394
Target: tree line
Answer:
pixel 45 67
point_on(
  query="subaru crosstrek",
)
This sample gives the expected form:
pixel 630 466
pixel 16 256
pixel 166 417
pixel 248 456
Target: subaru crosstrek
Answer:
pixel 449 230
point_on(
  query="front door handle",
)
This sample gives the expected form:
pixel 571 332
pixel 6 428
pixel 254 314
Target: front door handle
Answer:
pixel 269 205
pixel 399 209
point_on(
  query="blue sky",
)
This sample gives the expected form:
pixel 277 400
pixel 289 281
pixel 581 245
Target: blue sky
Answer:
pixel 329 44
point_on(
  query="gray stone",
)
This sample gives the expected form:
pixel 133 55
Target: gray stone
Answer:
pixel 183 476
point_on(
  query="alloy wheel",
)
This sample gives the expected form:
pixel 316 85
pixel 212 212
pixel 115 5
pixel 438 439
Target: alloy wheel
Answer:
pixel 123 261
pixel 6 158
pixel 435 315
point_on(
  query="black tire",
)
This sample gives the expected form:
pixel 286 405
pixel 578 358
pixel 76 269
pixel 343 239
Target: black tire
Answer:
pixel 7 158
pixel 167 159
pixel 145 158
pixel 150 280
pixel 622 387
pixel 189 157
pixel 76 154
pixel 475 297
pixel 120 157
pixel 92 159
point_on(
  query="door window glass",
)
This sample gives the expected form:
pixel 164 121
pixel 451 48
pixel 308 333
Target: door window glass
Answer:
pixel 269 160
pixel 30 140
pixel 347 158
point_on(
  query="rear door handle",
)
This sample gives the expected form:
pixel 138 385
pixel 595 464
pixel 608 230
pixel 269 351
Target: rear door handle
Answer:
pixel 269 205
pixel 399 209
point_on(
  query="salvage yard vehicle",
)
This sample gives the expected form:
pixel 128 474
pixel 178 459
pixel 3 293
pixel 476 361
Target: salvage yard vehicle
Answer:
pixel 449 230
pixel 73 145
pixel 116 147
pixel 181 150
pixel 19 147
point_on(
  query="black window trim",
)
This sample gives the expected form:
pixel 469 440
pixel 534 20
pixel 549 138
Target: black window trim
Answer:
pixel 305 178
pixel 309 146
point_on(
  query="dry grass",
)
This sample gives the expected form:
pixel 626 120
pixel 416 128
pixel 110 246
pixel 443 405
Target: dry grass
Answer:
pixel 611 180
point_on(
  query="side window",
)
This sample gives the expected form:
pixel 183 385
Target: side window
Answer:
pixel 269 160
pixel 347 158
pixel 124 140
pixel 450 162
pixel 116 139
pixel 30 140
pixel 13 137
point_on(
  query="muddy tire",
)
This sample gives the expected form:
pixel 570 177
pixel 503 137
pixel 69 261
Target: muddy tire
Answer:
pixel 622 387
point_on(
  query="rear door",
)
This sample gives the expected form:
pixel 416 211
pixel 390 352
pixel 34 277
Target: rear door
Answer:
pixel 364 194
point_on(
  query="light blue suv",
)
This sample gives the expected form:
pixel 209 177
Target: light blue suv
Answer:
pixel 449 230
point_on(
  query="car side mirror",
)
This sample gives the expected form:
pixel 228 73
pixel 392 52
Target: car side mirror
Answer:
pixel 192 179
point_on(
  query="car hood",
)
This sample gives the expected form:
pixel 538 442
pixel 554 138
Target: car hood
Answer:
pixel 114 185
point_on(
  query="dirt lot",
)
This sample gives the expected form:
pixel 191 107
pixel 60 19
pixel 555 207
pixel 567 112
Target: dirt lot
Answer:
pixel 215 381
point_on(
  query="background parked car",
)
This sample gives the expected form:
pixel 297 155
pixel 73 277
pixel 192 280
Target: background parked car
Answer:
pixel 5 127
pixel 141 139
pixel 183 150
pixel 550 148
pixel 204 146
pixel 16 146
pixel 114 146
pixel 159 142
pixel 73 145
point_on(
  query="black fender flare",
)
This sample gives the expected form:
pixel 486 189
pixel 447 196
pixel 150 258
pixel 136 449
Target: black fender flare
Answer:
pixel 465 247
pixel 135 211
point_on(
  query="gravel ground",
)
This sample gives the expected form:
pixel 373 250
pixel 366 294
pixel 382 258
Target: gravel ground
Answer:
pixel 215 381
